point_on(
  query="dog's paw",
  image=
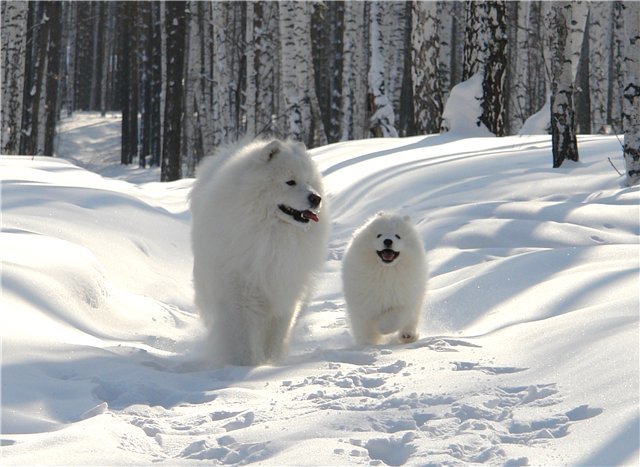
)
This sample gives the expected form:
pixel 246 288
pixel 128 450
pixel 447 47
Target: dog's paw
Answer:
pixel 406 337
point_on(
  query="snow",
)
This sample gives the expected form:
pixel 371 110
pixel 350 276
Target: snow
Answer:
pixel 529 347
pixel 461 115
pixel 540 122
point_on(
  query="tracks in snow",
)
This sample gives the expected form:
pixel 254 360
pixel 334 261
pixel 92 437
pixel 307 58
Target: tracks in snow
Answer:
pixel 375 406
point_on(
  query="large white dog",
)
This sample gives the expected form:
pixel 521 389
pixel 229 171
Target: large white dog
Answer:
pixel 384 275
pixel 259 233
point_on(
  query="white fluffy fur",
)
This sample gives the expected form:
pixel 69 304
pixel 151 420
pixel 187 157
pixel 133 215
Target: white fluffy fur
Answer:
pixel 254 264
pixel 385 298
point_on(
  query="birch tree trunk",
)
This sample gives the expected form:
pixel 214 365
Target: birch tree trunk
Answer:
pixel 582 93
pixel 353 123
pixel 14 25
pixel 538 74
pixel 486 53
pixel 616 70
pixel 427 87
pixel 474 39
pixel 300 105
pixel 394 47
pixel 265 33
pixel 563 136
pixel 631 108
pixel 515 86
pixel 495 69
pixel 382 118
pixel 599 59
pixel 222 74
pixel 406 121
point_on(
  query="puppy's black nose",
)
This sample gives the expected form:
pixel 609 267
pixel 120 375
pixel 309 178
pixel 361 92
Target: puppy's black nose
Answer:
pixel 314 200
pixel 388 242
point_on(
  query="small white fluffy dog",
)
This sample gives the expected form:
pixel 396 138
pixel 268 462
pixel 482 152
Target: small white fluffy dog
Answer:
pixel 259 233
pixel 384 274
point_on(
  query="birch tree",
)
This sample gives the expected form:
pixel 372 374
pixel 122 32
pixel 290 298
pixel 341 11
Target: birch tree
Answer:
pixel 538 73
pixel 354 71
pixel 495 69
pixel 220 100
pixel 616 69
pixel 631 93
pixel 563 135
pixel 382 118
pixel 427 82
pixel 300 106
pixel 265 65
pixel 395 47
pixel 14 25
pixel 485 52
pixel 406 108
pixel 599 61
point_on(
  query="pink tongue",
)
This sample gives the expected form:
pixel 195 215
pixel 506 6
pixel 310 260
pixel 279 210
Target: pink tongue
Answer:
pixel 310 215
pixel 388 255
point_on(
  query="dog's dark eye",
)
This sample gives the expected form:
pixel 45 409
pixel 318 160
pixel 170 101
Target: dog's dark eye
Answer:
pixel 291 183
pixel 379 235
pixel 398 237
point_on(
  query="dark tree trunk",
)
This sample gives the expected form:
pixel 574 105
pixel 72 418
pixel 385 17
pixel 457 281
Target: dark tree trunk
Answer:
pixel 29 79
pixel 156 85
pixel 406 125
pixel 83 55
pixel 145 51
pixel 175 23
pixel 124 68
pixel 53 11
pixel 495 69
pixel 100 15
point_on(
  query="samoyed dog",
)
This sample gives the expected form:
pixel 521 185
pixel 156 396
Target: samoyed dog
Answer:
pixel 259 233
pixel 384 275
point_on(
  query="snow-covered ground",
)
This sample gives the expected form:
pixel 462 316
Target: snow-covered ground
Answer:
pixel 529 348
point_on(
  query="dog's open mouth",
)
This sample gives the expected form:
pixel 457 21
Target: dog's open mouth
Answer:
pixel 299 216
pixel 388 255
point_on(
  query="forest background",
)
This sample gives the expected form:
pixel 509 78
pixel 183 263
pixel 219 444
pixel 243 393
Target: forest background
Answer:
pixel 189 76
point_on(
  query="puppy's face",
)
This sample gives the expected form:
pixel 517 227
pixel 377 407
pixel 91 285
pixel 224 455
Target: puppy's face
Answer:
pixel 387 240
pixel 388 247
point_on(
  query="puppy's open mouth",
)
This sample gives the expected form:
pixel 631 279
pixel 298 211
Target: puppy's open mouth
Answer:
pixel 299 216
pixel 388 255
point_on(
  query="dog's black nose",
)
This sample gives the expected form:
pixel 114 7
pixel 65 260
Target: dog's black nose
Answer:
pixel 388 242
pixel 314 200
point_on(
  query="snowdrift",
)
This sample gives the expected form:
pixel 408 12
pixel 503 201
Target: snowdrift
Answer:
pixel 529 348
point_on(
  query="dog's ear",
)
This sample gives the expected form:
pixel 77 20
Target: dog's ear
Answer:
pixel 271 150
pixel 406 219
